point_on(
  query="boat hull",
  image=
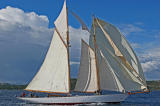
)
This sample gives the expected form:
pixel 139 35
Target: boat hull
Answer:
pixel 112 98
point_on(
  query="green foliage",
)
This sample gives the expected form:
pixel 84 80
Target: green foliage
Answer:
pixel 152 85
pixel 10 86
pixel 73 83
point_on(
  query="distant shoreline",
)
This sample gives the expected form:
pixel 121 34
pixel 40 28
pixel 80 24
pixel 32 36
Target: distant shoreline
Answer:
pixel 152 85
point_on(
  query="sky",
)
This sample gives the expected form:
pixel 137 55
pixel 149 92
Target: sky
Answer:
pixel 26 29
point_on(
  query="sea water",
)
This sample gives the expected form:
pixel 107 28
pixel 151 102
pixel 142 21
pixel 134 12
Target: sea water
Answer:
pixel 8 98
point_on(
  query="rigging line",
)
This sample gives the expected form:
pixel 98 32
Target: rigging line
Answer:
pixel 68 45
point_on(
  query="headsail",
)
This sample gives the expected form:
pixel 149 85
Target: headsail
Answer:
pixel 87 78
pixel 108 78
pixel 53 75
pixel 107 36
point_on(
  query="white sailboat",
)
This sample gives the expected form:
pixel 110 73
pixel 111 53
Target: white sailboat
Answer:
pixel 107 63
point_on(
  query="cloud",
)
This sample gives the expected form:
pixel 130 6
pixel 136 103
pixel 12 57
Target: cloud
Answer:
pixel 25 38
pixel 74 63
pixel 150 65
pixel 18 26
pixel 24 41
pixel 78 34
pixel 127 29
pixel 147 47
pixel 75 40
pixel 150 60
pixel 149 56
pixel 157 35
pixel 135 45
pixel 18 16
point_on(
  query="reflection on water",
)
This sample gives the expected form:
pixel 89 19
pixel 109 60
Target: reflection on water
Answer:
pixel 8 98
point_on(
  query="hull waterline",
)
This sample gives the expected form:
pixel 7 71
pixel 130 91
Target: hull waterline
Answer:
pixel 112 98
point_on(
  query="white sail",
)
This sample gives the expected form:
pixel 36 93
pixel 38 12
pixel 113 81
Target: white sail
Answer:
pixel 129 68
pixel 119 54
pixel 116 50
pixel 108 78
pixel 53 75
pixel 87 76
pixel 61 23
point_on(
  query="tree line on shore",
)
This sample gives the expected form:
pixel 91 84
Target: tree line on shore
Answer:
pixel 152 85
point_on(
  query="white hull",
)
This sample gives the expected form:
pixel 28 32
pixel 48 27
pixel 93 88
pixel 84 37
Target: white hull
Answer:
pixel 77 99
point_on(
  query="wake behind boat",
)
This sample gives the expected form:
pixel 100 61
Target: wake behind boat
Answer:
pixel 108 63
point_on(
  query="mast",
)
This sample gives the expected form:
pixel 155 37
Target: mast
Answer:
pixel 120 55
pixel 54 74
pixel 113 45
pixel 68 45
pixel 97 65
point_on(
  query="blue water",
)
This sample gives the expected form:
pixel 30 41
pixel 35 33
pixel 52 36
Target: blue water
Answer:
pixel 8 98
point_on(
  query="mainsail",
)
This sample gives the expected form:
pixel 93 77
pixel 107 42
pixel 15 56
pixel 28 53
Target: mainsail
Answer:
pixel 87 76
pixel 53 75
pixel 119 54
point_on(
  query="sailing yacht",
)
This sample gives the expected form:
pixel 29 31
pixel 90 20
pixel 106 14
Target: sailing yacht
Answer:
pixel 107 63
